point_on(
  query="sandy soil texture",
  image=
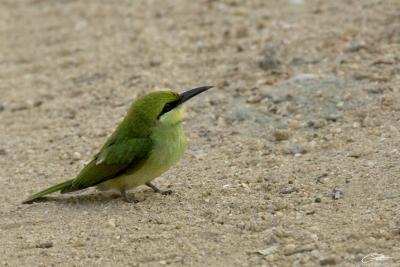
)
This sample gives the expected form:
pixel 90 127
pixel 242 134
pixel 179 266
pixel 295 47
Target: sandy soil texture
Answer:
pixel 293 157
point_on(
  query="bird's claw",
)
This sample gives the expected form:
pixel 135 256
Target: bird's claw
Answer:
pixel 157 190
pixel 128 199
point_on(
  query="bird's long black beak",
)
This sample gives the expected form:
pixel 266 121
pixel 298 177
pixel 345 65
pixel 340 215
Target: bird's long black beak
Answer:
pixel 185 96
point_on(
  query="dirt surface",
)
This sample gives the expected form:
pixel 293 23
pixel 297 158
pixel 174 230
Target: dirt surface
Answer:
pixel 293 157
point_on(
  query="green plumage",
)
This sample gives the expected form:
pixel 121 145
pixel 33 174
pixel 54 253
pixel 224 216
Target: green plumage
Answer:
pixel 127 146
pixel 146 143
pixel 49 190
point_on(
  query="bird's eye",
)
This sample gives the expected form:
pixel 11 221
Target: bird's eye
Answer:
pixel 168 107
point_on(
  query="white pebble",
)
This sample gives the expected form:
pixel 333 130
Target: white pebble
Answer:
pixel 76 156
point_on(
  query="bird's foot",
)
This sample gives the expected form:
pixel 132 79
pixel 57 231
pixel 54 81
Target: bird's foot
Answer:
pixel 157 190
pixel 128 199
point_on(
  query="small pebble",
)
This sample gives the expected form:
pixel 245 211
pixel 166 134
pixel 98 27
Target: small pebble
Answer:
pixel 254 99
pixel 333 116
pixel 303 77
pixel 112 223
pixel 19 107
pixel 288 249
pixel 155 62
pixel 76 156
pixel 27 105
pixel 293 249
pixel 316 124
pixel 374 90
pixel 355 154
pixel 310 212
pixel 295 149
pixel 270 59
pixel 288 190
pixel 340 104
pixel 280 135
pixel 47 244
pixel 37 103
pixel 337 193
pixel 242 32
pixel 294 124
pixel 335 130
pixel 270 257
pixel 355 46
pixel 328 261
pixel 268 251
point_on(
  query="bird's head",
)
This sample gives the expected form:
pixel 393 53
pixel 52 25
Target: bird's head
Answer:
pixel 164 106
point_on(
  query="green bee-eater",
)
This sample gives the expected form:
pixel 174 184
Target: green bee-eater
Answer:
pixel 148 141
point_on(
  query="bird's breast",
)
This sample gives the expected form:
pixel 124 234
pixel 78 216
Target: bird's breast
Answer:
pixel 169 144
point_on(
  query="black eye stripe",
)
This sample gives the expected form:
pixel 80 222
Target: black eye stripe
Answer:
pixel 168 107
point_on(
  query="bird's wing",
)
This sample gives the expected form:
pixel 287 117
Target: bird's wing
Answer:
pixel 111 161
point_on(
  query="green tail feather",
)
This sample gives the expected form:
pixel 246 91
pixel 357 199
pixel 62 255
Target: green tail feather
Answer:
pixel 49 190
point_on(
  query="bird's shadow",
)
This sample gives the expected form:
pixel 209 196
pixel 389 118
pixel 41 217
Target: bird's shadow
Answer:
pixel 95 198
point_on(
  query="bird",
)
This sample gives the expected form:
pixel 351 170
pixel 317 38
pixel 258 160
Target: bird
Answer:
pixel 148 141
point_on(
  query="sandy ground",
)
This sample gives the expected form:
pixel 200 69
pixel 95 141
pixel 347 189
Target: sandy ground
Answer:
pixel 293 157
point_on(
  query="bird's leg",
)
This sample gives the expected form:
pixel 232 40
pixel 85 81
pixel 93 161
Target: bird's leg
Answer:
pixel 157 190
pixel 126 198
